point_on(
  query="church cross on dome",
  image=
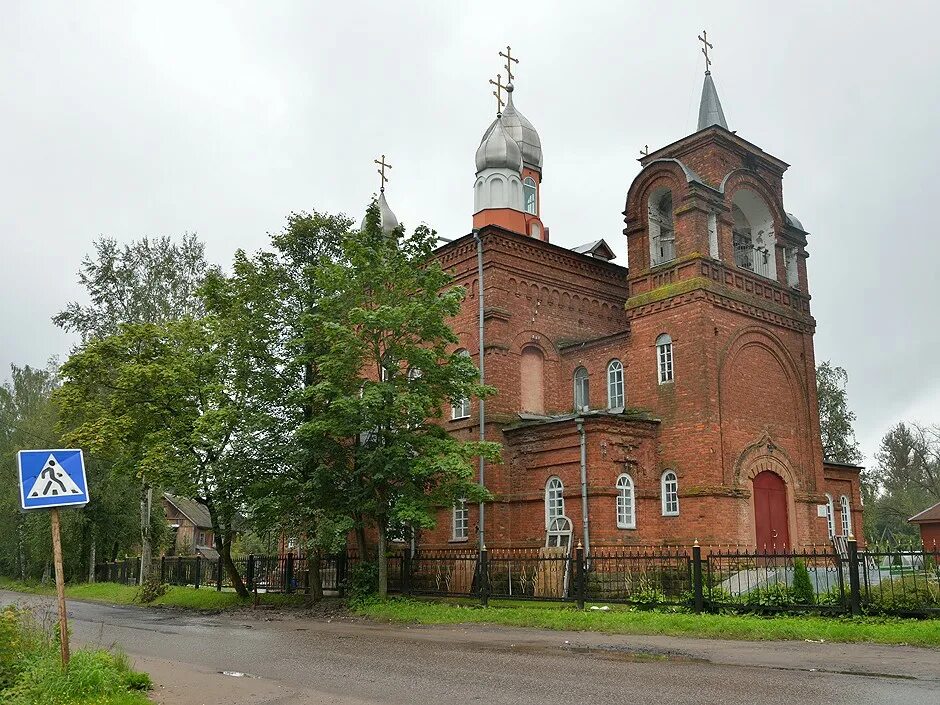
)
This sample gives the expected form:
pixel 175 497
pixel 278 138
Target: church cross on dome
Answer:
pixel 383 165
pixel 510 60
pixel 707 45
pixel 499 93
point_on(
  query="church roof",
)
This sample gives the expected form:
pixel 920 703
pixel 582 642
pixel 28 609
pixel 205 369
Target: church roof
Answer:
pixel 498 150
pixel 523 132
pixel 387 219
pixel 709 111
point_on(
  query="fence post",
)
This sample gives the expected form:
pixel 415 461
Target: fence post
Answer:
pixel 289 573
pixel 484 577
pixel 218 574
pixel 406 572
pixel 579 574
pixel 250 571
pixel 697 587
pixel 855 594
pixel 198 570
pixel 162 569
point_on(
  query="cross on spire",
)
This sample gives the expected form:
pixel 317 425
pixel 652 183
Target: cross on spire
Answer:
pixel 707 45
pixel 510 60
pixel 645 151
pixel 383 165
pixel 499 93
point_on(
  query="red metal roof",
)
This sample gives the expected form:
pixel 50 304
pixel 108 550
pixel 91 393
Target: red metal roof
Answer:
pixel 928 515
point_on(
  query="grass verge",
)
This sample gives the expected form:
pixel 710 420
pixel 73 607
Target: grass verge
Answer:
pixel 628 621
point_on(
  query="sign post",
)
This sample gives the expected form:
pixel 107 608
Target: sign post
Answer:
pixel 50 479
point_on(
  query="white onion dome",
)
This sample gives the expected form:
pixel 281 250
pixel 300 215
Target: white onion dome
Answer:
pixel 522 131
pixel 498 150
pixel 387 219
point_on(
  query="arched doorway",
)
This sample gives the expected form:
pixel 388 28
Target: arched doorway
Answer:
pixel 770 511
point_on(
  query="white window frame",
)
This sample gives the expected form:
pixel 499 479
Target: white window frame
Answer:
pixel 830 516
pixel 626 503
pixel 616 389
pixel 581 377
pixel 461 408
pixel 529 186
pixel 846 516
pixel 669 486
pixel 664 359
pixel 460 521
pixel 554 499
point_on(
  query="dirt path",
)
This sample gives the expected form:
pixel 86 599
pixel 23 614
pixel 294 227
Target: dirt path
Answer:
pixel 289 659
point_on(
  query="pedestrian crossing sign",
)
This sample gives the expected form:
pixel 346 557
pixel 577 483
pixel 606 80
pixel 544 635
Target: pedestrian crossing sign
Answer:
pixel 52 478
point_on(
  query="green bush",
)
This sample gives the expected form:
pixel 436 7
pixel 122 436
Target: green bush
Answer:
pixel 776 596
pixel 18 641
pixel 362 581
pixel 151 589
pixel 803 593
pixel 902 595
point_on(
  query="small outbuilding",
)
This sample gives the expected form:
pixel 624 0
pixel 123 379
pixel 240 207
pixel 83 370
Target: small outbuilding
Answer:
pixel 929 523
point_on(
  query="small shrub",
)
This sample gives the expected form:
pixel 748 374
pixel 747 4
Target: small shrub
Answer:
pixel 776 596
pixel 151 589
pixel 19 639
pixel 897 595
pixel 362 581
pixel 803 593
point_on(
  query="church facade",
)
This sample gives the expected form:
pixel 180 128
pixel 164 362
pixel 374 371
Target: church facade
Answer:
pixel 660 404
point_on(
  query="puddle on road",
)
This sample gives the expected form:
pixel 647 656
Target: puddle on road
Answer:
pixel 236 674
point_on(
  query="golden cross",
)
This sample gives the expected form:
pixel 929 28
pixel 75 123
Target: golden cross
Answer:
pixel 498 93
pixel 383 165
pixel 704 40
pixel 509 61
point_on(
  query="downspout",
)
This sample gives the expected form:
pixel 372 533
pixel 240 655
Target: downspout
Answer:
pixel 584 492
pixel 479 241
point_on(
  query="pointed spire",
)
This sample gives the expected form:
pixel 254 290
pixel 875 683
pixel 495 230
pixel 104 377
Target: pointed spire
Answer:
pixel 709 111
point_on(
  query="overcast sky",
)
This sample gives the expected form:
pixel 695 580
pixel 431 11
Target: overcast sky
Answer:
pixel 128 119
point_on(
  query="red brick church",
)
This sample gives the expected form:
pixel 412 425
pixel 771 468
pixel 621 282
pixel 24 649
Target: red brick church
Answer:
pixel 666 402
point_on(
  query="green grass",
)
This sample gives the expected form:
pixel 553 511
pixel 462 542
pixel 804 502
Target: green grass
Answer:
pixel 628 621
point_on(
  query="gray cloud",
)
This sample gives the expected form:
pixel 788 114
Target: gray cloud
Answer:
pixel 128 119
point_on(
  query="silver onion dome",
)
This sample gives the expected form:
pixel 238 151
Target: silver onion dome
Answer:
pixel 522 131
pixel 387 219
pixel 498 150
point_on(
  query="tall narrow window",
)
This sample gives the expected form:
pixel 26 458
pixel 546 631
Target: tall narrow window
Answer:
pixel 461 520
pixel 661 229
pixel 582 398
pixel 713 251
pixel 664 358
pixel 846 515
pixel 532 371
pixel 530 194
pixel 830 516
pixel 460 409
pixel 626 516
pixel 670 494
pixel 615 393
pixel 554 500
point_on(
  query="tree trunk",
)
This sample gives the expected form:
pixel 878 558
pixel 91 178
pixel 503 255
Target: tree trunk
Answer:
pixel 313 578
pixel 91 560
pixel 383 561
pixel 146 549
pixel 225 555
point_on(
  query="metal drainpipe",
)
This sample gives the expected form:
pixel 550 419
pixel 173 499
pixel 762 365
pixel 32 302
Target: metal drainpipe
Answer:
pixel 479 241
pixel 584 493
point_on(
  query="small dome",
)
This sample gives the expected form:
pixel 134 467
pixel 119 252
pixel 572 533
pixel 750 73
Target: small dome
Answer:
pixel 522 131
pixel 498 150
pixel 387 219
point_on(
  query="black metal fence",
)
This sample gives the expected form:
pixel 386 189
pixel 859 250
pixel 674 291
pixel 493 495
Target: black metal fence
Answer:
pixel 898 581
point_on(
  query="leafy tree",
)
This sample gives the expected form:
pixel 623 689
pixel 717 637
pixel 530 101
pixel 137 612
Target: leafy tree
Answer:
pixel 149 281
pixel 379 347
pixel 835 417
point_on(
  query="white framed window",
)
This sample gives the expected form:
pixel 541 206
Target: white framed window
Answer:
pixel 615 393
pixel 530 195
pixel 554 500
pixel 582 396
pixel 830 516
pixel 664 358
pixel 626 508
pixel 846 515
pixel 460 520
pixel 460 409
pixel 670 491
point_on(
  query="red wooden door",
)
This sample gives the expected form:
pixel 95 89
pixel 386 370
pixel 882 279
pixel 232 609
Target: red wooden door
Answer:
pixel 770 511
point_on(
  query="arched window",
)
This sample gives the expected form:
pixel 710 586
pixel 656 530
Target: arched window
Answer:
pixel 554 500
pixel 626 512
pixel 460 409
pixel 532 370
pixel 461 520
pixel 529 193
pixel 664 357
pixel 615 393
pixel 582 397
pixel 661 228
pixel 670 494
pixel 497 193
pixel 752 234
pixel 830 516
pixel 846 516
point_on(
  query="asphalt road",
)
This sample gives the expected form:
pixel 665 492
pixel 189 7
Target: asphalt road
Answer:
pixel 288 659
